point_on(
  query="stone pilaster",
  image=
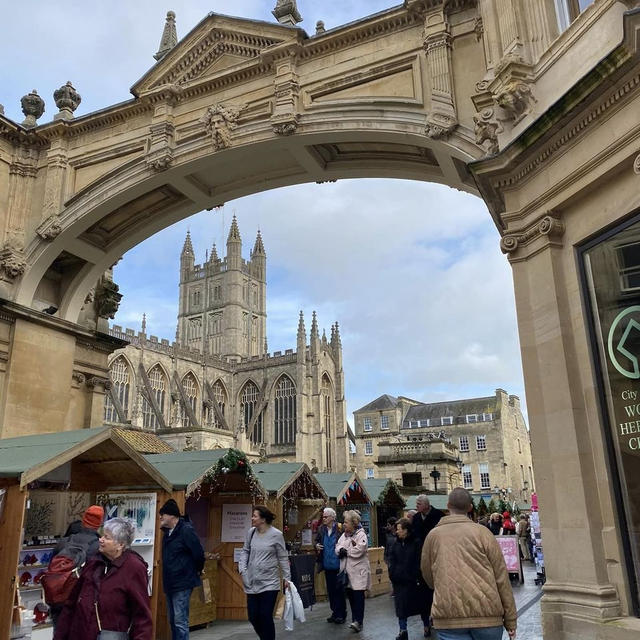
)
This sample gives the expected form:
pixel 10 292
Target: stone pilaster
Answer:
pixel 54 191
pixel 287 93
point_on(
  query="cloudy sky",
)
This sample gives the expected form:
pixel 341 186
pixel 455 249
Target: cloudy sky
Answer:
pixel 411 271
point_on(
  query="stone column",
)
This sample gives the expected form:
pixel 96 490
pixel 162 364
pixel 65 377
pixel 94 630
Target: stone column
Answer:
pixel 567 484
pixel 442 117
pixel 54 191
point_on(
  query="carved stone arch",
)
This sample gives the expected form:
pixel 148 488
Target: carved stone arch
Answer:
pixel 191 373
pixel 165 371
pixel 327 375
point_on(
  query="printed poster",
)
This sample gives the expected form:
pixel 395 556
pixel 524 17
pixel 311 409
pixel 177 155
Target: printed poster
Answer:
pixel 236 520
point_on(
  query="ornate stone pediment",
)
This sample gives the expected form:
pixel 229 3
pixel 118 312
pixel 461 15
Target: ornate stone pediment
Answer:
pixel 217 44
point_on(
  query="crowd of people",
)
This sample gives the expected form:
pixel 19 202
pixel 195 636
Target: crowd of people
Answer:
pixel 447 569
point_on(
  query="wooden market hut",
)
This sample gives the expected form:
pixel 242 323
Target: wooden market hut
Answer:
pixel 294 494
pixel 86 463
pixel 387 503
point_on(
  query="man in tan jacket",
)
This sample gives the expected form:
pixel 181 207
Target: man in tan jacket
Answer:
pixel 462 562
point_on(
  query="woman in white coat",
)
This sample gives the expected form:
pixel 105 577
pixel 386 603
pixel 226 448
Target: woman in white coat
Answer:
pixel 351 548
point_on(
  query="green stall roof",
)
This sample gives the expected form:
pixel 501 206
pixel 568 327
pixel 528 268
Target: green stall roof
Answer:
pixel 377 488
pixel 183 468
pixel 335 484
pixel 276 477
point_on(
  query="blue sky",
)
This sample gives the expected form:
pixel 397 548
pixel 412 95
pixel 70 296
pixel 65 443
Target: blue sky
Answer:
pixel 411 271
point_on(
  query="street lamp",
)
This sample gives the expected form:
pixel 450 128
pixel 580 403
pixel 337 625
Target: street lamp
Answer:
pixel 459 463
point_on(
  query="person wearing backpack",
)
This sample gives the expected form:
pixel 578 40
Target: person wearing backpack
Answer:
pixel 71 552
pixel 111 598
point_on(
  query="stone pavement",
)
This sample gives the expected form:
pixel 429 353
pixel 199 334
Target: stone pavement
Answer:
pixel 380 622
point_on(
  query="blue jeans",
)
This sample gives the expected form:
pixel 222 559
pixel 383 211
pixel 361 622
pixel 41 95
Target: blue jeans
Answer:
pixel 178 608
pixel 486 633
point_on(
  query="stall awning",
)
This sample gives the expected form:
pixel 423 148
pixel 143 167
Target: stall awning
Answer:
pixel 83 458
pixel 380 488
pixel 338 485
pixel 277 477
pixel 186 469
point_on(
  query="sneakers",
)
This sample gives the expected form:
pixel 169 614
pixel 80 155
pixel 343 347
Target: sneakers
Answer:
pixel 403 635
pixel 355 626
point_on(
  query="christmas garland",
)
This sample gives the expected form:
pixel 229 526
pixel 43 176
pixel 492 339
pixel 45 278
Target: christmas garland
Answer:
pixel 234 461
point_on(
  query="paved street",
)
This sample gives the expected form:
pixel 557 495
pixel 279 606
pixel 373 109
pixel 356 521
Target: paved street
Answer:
pixel 379 621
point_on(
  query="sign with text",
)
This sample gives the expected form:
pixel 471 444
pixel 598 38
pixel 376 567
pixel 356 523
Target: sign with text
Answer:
pixel 236 519
pixel 510 552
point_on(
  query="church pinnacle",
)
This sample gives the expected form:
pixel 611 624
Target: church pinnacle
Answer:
pixel 234 232
pixel 169 36
pixel 187 248
pixel 214 254
pixel 258 248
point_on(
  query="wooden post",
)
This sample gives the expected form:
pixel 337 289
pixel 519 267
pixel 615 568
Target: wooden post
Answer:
pixel 11 525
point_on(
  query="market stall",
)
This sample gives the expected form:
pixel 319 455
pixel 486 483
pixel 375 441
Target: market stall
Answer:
pixel 218 489
pixel 48 480
pixel 387 503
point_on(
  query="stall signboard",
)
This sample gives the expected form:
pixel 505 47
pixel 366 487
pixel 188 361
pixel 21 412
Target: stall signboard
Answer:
pixel 511 553
pixel 236 520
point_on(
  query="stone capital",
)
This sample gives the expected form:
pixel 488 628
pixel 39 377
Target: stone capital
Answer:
pixel 50 228
pixel 549 229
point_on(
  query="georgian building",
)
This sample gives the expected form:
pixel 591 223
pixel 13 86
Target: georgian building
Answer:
pixel 479 443
pixel 217 386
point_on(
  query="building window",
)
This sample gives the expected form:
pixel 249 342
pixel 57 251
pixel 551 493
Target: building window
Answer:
pixel 284 406
pixel 485 482
pixel 472 417
pixel 327 396
pixel 519 446
pixel 384 423
pixel 370 473
pixel 425 423
pixel 368 448
pixel 481 443
pixel 464 444
pixel 158 384
pixel 467 479
pixel 195 298
pixel 194 330
pixel 190 388
pixel 248 407
pixel 367 424
pixel 215 332
pixel 120 381
pixel 412 480
pixel 568 10
pixel 487 417
pixel 531 479
pixel 220 398
pixel 446 420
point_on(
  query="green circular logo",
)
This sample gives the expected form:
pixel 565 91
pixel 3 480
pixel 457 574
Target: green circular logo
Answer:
pixel 627 325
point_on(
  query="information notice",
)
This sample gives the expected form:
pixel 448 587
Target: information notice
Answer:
pixel 236 520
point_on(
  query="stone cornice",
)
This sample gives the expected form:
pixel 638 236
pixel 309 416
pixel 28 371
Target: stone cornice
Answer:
pixel 562 124
pixel 18 135
pixel 549 227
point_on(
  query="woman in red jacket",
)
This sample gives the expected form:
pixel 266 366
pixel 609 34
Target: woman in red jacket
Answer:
pixel 111 594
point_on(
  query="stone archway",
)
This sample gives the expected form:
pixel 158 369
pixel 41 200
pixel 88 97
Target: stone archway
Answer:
pixel 423 90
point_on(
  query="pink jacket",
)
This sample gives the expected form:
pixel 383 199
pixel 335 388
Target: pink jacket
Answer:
pixel 356 564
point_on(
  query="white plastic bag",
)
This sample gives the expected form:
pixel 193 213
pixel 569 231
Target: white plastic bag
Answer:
pixel 288 610
pixel 298 607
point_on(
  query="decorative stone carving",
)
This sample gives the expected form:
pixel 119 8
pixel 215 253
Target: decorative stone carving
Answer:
pixel 320 28
pixel 67 100
pixel 107 298
pixel 478 27
pixel 160 145
pixel 285 128
pixel 32 107
pixel 550 226
pixel 95 381
pixel 286 12
pixel 219 121
pixel 169 37
pixel 515 100
pixel 50 228
pixel 12 261
pixel 78 378
pixel 636 165
pixel 487 130
pixel 439 125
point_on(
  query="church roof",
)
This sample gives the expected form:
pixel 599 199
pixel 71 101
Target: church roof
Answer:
pixel 383 402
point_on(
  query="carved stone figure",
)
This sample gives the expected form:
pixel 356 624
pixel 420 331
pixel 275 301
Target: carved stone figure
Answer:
pixel 219 121
pixel 487 130
pixel 32 107
pixel 50 228
pixel 67 100
pixel 107 298
pixel 515 100
pixel 286 12
pixel 439 125
pixel 12 262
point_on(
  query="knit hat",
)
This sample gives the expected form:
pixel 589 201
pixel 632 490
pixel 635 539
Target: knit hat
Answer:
pixel 92 517
pixel 170 507
pixel 506 514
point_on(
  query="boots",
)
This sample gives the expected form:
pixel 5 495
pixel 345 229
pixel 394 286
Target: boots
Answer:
pixel 403 635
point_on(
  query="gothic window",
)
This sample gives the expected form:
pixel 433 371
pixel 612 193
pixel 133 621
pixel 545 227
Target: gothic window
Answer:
pixel 195 330
pixel 285 411
pixel 195 298
pixel 327 404
pixel 248 407
pixel 190 387
pixel 220 398
pixel 120 380
pixel 158 384
pixel 254 336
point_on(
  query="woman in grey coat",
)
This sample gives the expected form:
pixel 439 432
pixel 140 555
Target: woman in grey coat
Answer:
pixel 264 558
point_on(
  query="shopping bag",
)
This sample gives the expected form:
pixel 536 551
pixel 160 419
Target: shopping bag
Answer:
pixel 288 611
pixel 298 606
pixel 278 612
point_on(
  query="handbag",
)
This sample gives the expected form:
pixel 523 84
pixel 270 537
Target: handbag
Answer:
pixel 103 634
pixel 342 579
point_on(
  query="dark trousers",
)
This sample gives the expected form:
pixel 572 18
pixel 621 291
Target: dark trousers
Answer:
pixel 356 602
pixel 260 609
pixel 336 594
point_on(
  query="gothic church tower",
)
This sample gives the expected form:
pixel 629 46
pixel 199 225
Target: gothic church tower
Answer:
pixel 222 304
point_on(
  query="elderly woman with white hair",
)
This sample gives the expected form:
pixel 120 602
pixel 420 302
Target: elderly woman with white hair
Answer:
pixel 111 598
pixel 354 562
pixel 326 540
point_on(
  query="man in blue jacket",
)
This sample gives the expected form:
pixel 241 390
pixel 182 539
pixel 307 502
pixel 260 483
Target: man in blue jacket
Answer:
pixel 182 564
pixel 326 538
